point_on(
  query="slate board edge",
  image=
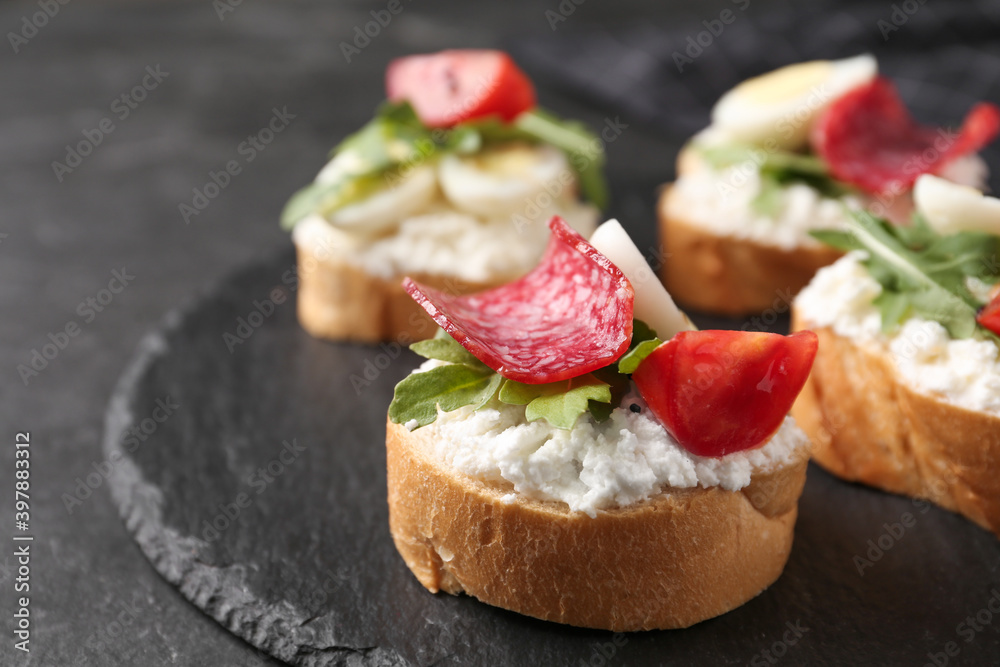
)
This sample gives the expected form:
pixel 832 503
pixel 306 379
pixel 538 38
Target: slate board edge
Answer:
pixel 138 504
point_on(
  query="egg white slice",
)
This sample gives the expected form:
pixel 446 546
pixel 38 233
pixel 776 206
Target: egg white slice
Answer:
pixel 782 105
pixel 949 207
pixel 653 304
pixel 506 179
pixel 388 206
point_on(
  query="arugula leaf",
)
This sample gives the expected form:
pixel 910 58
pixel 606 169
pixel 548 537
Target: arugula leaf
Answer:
pixel 367 159
pixel 579 144
pixel 451 387
pixel 558 403
pixel 640 332
pixel 922 273
pixel 446 349
pixel 631 360
pixel 777 169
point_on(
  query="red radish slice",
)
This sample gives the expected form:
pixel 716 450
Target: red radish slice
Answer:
pixel 571 315
pixel 719 392
pixel 989 317
pixel 869 139
pixel 453 86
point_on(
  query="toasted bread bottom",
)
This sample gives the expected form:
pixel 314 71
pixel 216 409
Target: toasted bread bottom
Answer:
pixel 340 301
pixel 868 425
pixel 681 558
pixel 728 275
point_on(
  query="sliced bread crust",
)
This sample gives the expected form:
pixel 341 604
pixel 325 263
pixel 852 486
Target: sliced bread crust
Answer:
pixel 868 425
pixel 729 275
pixel 670 562
pixel 338 300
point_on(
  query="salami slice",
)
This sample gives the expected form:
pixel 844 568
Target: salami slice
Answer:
pixel 571 315
pixel 869 139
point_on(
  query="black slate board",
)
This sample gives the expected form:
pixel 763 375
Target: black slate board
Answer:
pixel 307 571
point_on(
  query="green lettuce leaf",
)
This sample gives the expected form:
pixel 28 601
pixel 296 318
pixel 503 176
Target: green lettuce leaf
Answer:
pixel 558 403
pixel 453 386
pixel 631 360
pixel 777 169
pixel 445 348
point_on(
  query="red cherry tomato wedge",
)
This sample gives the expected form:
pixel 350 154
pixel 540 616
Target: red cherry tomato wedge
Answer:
pixel 453 86
pixel 989 316
pixel 719 392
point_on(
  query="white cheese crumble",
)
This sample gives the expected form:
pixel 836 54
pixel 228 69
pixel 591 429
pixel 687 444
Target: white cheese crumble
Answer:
pixel 721 200
pixel 593 466
pixel 963 372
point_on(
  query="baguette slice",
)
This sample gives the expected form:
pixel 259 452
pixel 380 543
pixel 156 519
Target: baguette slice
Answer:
pixel 729 275
pixel 868 425
pixel 673 561
pixel 340 301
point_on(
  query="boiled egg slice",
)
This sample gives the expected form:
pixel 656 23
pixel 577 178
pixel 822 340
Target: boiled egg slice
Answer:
pixel 780 106
pixel 506 179
pixel 388 206
pixel 949 207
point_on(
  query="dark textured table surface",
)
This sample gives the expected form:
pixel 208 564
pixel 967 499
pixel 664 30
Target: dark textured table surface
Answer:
pixel 154 97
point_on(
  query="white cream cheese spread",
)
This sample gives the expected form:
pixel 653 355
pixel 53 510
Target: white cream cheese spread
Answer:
pixel 965 372
pixel 593 466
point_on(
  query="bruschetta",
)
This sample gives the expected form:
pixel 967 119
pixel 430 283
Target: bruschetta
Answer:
pixel 792 151
pixel 574 450
pixel 451 182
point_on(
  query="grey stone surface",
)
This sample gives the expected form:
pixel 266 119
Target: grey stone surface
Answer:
pixel 95 599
